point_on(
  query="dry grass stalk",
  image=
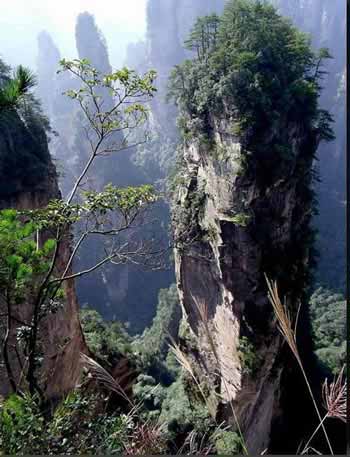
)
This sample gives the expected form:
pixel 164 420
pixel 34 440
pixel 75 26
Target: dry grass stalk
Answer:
pixel 334 396
pixel 102 377
pixel 146 439
pixel 196 445
pixel 289 334
pixel 311 450
pixel 335 402
pixel 283 318
pixel 193 445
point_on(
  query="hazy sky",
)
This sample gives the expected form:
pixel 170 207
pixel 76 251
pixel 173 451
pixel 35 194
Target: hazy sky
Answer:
pixel 121 21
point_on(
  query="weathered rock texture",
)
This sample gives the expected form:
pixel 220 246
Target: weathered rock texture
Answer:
pixel 235 222
pixel 32 187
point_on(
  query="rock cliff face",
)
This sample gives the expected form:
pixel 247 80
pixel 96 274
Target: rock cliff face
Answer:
pixel 32 186
pixel 234 223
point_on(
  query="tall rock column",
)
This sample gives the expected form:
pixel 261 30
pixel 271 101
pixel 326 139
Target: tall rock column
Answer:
pixel 243 203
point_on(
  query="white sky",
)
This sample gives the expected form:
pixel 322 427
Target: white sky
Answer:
pixel 121 21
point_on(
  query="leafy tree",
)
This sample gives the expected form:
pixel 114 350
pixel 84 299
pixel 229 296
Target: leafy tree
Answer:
pixel 15 89
pixel 37 237
pixel 24 260
pixel 154 342
pixel 182 414
pixel 203 37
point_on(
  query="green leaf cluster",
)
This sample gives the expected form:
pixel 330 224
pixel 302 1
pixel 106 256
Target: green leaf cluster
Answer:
pixel 16 88
pixel 127 200
pixel 23 260
pixel 129 90
pixel 228 443
pixel 22 428
pixel 247 355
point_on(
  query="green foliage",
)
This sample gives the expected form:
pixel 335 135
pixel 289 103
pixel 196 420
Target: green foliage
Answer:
pixel 25 159
pixel 124 85
pixel 328 319
pixel 203 36
pixel 22 259
pixel 79 425
pixel 106 340
pixel 186 218
pixel 260 70
pixel 154 341
pixel 22 430
pixel 182 415
pixel 150 394
pixel 15 89
pixel 127 200
pixel 240 219
pixel 228 443
pixel 211 233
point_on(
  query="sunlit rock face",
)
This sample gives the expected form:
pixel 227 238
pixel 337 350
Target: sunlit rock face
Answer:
pixel 31 182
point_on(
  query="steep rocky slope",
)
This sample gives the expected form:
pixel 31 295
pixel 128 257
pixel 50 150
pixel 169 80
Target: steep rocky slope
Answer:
pixel 31 181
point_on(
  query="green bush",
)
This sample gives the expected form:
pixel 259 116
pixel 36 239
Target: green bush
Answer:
pixel 154 341
pixel 228 443
pixel 182 414
pixel 22 427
